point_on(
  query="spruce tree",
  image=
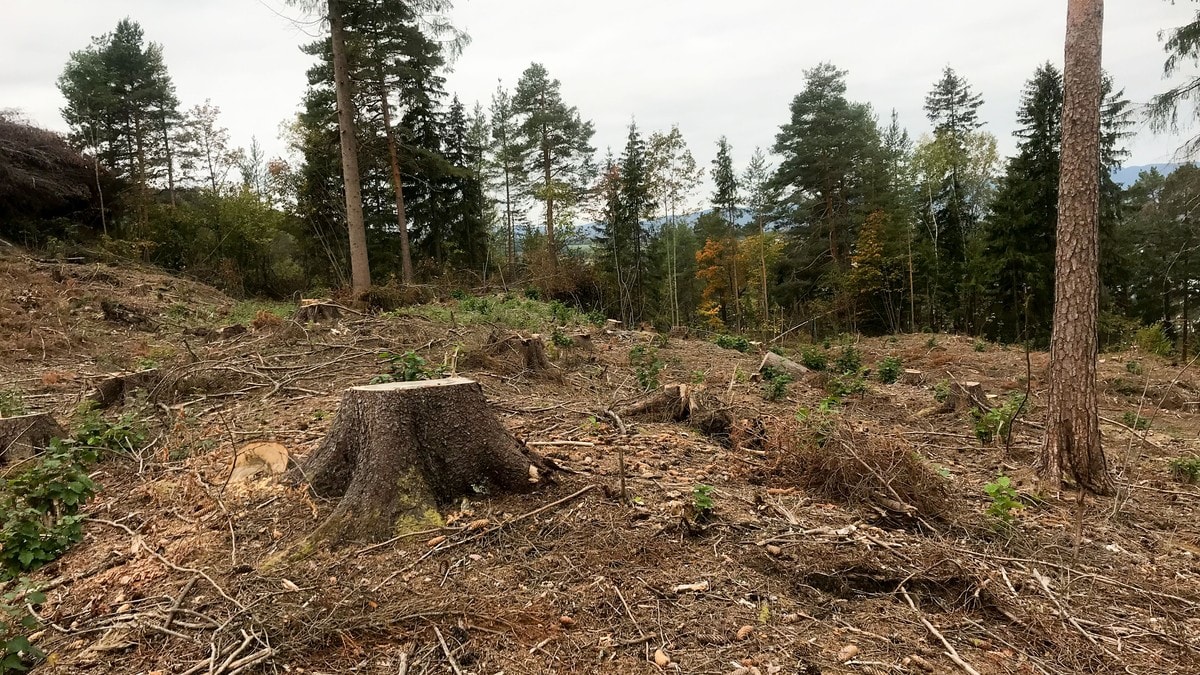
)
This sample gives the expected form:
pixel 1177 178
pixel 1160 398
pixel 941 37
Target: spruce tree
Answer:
pixel 636 203
pixel 509 157
pixel 725 204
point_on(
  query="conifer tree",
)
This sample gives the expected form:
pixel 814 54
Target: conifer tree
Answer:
pixel 636 203
pixel 509 157
pixel 725 204
pixel 675 175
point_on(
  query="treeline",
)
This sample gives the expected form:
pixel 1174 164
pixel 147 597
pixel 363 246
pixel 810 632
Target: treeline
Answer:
pixel 847 223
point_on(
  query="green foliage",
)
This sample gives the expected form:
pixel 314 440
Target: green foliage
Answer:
pixel 1134 367
pixel 814 358
pixel 1186 469
pixel 562 314
pixel 561 339
pixel 246 311
pixel 775 384
pixel 1153 340
pixel 407 367
pixel 1135 421
pixel 980 346
pixel 702 499
pixel 941 391
pixel 646 365
pixel 16 623
pixel 97 434
pixel 849 384
pixel 849 361
pixel 40 507
pixel 889 370
pixel 735 342
pixel 993 423
pixel 931 343
pixel 698 377
pixel 1005 499
pixel 12 404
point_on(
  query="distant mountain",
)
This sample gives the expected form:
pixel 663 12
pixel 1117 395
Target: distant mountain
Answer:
pixel 1128 175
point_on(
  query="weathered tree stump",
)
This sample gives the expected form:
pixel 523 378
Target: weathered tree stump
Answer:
pixel 113 388
pixel 26 436
pixel 316 311
pixel 397 451
pixel 683 403
pixel 966 395
pixel 515 353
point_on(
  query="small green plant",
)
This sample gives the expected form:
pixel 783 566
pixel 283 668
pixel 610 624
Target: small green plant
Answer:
pixel 981 346
pixel 941 391
pixel 1186 469
pixel 561 339
pixel 1134 367
pixel 99 434
pixel 814 358
pixel 12 404
pixel 849 361
pixel 560 313
pixel 407 367
pixel 1153 340
pixel 1005 499
pixel 846 385
pixel 775 384
pixel 993 423
pixel 889 370
pixel 595 318
pixel 646 366
pixel 735 342
pixel 16 624
pixel 1135 421
pixel 702 499
pixel 698 377
pixel 592 425
pixel 931 343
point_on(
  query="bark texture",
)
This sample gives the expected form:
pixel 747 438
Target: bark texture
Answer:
pixel 26 436
pixel 360 271
pixel 397 451
pixel 1073 428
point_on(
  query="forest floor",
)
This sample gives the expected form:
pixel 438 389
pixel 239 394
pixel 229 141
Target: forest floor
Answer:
pixel 842 538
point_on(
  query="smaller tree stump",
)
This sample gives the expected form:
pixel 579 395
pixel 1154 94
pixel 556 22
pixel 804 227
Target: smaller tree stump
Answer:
pixel 316 311
pixel 397 451
pixel 683 403
pixel 515 353
pixel 113 388
pixel 26 436
pixel 967 395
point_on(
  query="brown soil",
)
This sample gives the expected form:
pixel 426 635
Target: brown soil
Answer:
pixel 784 575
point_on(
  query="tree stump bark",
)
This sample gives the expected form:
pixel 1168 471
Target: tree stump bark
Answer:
pixel 113 388
pixel 26 436
pixel 399 450
pixel 515 353
pixel 316 311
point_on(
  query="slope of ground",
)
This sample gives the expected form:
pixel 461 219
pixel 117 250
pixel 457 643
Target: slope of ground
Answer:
pixel 786 575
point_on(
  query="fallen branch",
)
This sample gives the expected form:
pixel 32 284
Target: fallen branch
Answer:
pixel 950 650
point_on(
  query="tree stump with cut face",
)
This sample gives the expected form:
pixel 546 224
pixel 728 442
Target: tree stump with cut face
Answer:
pixel 26 436
pixel 398 451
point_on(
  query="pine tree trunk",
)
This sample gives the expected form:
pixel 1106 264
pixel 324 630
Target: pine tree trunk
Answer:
pixel 406 268
pixel 398 451
pixel 1073 428
pixel 360 271
pixel 550 243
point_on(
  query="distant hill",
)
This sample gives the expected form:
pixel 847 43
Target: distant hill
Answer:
pixel 1128 175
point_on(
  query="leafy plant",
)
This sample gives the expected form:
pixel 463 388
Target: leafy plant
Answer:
pixel 931 343
pixel 40 507
pixel 16 623
pixel 1134 367
pixel 646 366
pixel 775 384
pixel 814 358
pixel 1186 469
pixel 849 361
pixel 889 370
pixel 698 377
pixel 846 385
pixel 561 339
pixel 735 342
pixel 702 499
pixel 990 424
pixel 980 346
pixel 596 318
pixel 1005 499
pixel 941 391
pixel 1135 421
pixel 1153 340
pixel 12 404
pixel 99 434
pixel 407 367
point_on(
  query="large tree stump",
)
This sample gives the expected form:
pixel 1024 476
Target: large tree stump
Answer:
pixel 26 436
pixel 398 451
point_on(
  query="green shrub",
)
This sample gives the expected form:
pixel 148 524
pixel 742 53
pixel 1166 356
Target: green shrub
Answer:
pixel 12 404
pixel 941 391
pixel 849 384
pixel 1005 499
pixel 561 339
pixel 646 366
pixel 735 342
pixel 1186 469
pixel 16 624
pixel 1153 340
pixel 993 423
pixel 775 384
pixel 814 358
pixel 407 367
pixel 980 346
pixel 99 434
pixel 849 361
pixel 889 370
pixel 1135 421
pixel 702 499
pixel 1134 367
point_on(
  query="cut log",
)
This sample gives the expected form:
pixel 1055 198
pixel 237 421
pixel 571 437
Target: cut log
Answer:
pixel 398 451
pixel 781 364
pixel 683 403
pixel 317 311
pixel 113 388
pixel 26 436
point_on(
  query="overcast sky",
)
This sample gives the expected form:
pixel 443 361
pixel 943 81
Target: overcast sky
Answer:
pixel 712 67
